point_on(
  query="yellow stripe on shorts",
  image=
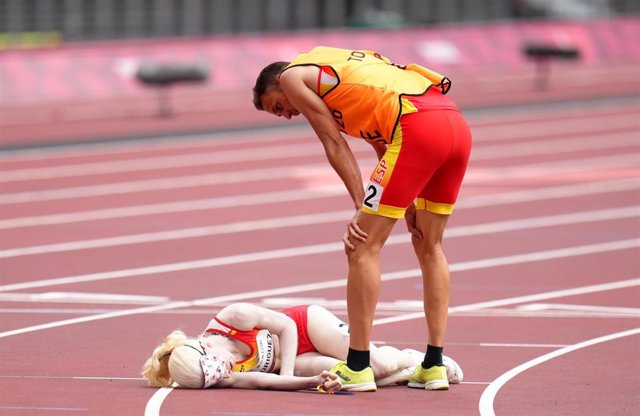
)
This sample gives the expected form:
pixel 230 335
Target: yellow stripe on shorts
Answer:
pixel 435 207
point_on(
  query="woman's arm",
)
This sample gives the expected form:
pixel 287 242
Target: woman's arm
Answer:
pixel 305 100
pixel 245 317
pixel 266 381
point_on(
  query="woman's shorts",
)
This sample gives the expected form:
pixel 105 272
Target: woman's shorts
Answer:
pixel 299 316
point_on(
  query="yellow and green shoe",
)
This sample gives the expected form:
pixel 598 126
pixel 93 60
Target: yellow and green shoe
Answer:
pixel 355 380
pixel 433 378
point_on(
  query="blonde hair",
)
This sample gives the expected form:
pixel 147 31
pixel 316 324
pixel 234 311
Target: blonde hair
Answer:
pixel 175 360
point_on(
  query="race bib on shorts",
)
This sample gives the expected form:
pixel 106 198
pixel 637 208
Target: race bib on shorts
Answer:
pixel 372 196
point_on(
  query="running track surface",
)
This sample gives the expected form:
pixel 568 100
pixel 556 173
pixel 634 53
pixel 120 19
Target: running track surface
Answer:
pixel 107 248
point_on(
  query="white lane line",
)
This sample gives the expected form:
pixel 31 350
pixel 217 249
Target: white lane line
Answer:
pixel 174 207
pixel 45 409
pixel 144 147
pixel 512 345
pixel 217 158
pixel 462 231
pixel 299 220
pixel 526 298
pixel 559 169
pixel 580 308
pixel 155 402
pixel 42 377
pixel 489 394
pixel 463 266
pixel 536 129
pixel 518 313
pixel 236 227
pixel 337 189
pixel 80 297
pixel 569 118
pixel 77 311
pixel 556 146
pixel 293 171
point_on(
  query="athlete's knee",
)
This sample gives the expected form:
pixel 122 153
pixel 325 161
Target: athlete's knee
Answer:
pixel 427 245
pixel 363 253
pixel 381 367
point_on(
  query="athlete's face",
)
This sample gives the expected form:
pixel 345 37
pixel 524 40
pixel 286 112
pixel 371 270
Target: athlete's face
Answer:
pixel 275 102
pixel 214 346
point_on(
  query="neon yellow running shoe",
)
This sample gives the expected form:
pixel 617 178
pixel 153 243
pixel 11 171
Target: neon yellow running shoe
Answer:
pixel 433 378
pixel 355 380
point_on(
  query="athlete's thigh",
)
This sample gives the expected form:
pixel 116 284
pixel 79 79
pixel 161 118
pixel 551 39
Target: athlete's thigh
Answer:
pixel 377 228
pixel 431 225
pixel 444 185
pixel 328 334
pixel 313 363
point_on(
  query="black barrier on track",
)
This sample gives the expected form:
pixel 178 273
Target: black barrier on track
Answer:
pixel 543 54
pixel 162 76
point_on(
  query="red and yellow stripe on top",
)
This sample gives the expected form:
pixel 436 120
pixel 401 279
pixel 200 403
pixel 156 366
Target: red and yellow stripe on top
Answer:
pixel 262 356
pixel 364 90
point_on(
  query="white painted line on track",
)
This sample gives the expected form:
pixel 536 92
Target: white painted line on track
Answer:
pixel 73 297
pixel 580 308
pixel 461 231
pixel 215 158
pixel 462 266
pixel 300 220
pixel 183 142
pixel 196 232
pixel 518 313
pixel 512 345
pixel 568 117
pixel 336 190
pixel 489 394
pixel 45 409
pixel 155 402
pixel 506 130
pixel 43 377
pixel 522 299
pixel 173 207
pixel 556 146
pixel 293 171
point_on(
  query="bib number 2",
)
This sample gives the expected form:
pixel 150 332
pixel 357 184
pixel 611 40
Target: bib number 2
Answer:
pixel 372 196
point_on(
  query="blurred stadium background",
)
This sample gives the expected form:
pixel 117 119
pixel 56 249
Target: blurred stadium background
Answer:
pixel 68 67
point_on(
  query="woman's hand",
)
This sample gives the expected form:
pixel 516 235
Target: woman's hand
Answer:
pixel 329 382
pixel 410 218
pixel 353 231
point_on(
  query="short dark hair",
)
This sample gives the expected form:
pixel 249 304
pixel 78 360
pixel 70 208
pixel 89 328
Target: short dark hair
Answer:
pixel 268 77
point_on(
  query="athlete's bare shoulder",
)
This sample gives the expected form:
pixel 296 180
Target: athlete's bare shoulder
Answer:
pixel 307 73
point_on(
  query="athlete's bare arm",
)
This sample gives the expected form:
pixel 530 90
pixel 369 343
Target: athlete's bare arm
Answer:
pixel 252 380
pixel 380 148
pixel 295 84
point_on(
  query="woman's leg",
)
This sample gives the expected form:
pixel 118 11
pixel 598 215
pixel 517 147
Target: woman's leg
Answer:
pixel 330 336
pixel 313 363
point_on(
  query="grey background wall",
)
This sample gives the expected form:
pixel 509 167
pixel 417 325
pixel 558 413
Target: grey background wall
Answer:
pixel 77 20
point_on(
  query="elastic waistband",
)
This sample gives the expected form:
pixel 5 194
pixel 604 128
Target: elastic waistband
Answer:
pixel 432 99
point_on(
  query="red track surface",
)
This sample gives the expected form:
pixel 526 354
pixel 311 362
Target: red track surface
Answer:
pixel 543 248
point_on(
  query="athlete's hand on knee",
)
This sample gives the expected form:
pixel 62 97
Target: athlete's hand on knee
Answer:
pixel 329 382
pixel 354 231
pixel 410 218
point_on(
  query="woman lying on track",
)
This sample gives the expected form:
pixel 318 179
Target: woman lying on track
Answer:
pixel 244 344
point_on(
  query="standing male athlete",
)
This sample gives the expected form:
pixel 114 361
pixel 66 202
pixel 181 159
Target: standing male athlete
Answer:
pixel 423 145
